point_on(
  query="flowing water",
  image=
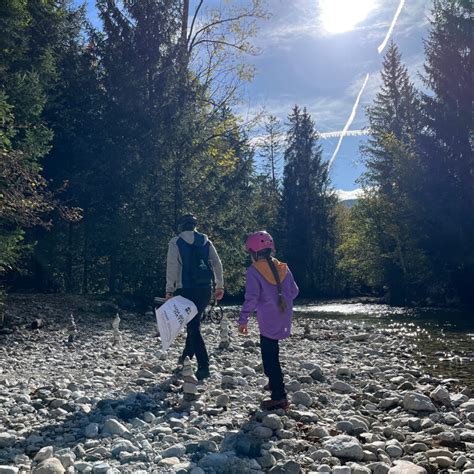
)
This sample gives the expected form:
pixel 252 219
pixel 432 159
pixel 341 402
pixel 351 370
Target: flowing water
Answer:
pixel 444 338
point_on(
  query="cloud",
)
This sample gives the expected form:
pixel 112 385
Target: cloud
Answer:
pixel 343 195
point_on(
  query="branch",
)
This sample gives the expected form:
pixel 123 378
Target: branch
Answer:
pixel 196 12
pixel 194 43
pixel 223 43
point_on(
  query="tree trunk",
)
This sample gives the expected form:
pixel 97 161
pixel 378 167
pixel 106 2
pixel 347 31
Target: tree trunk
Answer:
pixel 69 283
pixel 85 259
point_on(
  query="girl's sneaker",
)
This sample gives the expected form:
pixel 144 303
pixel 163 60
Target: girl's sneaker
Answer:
pixel 275 404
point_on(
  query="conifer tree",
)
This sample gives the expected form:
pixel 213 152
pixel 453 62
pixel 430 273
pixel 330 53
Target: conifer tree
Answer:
pixel 307 212
pixel 391 178
pixel 447 151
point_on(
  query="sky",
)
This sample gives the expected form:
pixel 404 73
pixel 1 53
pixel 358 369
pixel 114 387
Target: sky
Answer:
pixel 317 53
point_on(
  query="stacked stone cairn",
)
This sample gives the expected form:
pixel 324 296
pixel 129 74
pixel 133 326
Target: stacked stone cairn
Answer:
pixel 224 334
pixel 189 381
pixel 71 330
pixel 116 336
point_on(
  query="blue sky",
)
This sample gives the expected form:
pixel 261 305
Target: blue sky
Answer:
pixel 303 61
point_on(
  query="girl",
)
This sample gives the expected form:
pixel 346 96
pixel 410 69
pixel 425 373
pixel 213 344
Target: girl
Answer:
pixel 270 290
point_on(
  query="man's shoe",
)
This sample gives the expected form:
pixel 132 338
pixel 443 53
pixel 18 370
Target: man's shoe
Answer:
pixel 275 404
pixel 202 373
pixel 267 387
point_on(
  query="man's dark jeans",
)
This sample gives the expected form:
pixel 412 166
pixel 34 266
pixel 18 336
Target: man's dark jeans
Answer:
pixel 194 342
pixel 271 366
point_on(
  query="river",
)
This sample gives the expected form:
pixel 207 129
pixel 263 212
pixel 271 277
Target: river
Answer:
pixel 443 339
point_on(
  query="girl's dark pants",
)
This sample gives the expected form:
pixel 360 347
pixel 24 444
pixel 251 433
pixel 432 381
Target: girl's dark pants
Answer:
pixel 194 341
pixel 271 366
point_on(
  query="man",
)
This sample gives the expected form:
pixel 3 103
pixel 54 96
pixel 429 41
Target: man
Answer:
pixel 192 265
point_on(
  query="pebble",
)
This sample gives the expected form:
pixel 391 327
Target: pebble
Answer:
pixel 344 447
pixel 342 387
pixel 302 398
pixel 272 421
pixel 49 466
pixel 114 427
pixel 414 401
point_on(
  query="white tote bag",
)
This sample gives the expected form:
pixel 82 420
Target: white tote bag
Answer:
pixel 172 316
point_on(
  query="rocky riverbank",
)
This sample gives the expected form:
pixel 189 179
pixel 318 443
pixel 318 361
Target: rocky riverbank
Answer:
pixel 104 404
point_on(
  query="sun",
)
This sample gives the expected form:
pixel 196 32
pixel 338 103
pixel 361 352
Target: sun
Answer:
pixel 338 16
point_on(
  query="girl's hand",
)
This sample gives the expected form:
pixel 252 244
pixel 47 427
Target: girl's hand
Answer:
pixel 243 329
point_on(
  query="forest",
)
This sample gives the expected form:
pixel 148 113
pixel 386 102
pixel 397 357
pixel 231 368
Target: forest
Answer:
pixel 109 133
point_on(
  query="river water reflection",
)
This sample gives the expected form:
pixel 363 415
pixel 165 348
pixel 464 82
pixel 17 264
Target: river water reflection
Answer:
pixel 444 339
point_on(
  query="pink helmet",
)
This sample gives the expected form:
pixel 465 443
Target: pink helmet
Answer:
pixel 259 241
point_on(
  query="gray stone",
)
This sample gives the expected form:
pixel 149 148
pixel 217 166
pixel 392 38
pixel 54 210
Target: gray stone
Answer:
pixel 67 457
pixel 318 432
pixel 44 453
pixel 267 460
pixel 317 374
pixel 379 468
pixel 444 462
pixel 341 387
pixel 49 466
pixel 81 466
pixel 358 469
pixel 8 469
pixel 121 445
pixel 460 462
pixel 262 432
pixel 242 443
pixel 341 470
pixel 91 430
pixel 222 401
pixel 394 451
pixel 320 454
pixel 272 421
pixel 343 372
pixel 101 468
pixel 468 436
pixel 441 395
pixel 289 467
pixel 406 467
pixel 345 426
pixel 468 406
pixel 414 401
pixel 178 451
pixel 114 427
pixel 302 398
pixel 7 440
pixel 344 447
pixel 213 461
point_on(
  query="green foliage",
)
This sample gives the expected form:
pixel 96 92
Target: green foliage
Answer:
pixel 308 208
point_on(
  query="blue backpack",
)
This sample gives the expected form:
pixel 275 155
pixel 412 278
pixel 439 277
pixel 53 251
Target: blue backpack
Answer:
pixel 197 271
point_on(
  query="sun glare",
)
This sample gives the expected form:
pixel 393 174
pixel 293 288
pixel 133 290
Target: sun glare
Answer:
pixel 338 16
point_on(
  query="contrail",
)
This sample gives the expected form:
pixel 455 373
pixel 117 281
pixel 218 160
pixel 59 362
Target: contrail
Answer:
pixel 349 122
pixel 392 26
pixel 350 133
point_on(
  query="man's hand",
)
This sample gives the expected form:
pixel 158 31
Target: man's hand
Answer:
pixel 243 329
pixel 168 296
pixel 219 294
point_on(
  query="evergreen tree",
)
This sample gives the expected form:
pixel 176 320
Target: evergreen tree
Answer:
pixel 391 178
pixel 307 213
pixel 448 162
pixel 268 182
pixel 31 33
